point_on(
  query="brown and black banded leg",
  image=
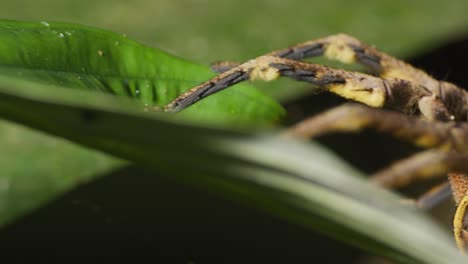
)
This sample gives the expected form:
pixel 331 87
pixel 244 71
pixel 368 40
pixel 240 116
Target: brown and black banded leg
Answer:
pixel 347 49
pixel 364 88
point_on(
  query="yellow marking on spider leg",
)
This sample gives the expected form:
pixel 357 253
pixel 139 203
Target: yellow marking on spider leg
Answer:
pixel 261 70
pixel 340 51
pixel 458 223
pixel 372 97
pixel 264 74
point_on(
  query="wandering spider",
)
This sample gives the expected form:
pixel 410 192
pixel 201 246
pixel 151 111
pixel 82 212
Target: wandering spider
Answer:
pixel 430 113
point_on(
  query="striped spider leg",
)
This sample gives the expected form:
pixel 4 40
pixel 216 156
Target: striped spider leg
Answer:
pixel 418 108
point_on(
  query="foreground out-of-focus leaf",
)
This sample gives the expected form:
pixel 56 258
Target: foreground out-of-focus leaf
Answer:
pixel 296 181
pixel 88 58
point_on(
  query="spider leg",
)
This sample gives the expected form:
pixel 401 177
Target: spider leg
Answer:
pixel 355 117
pixel 448 137
pixel 423 165
pixel 431 198
pixel 347 49
pixel 368 89
pixel 434 196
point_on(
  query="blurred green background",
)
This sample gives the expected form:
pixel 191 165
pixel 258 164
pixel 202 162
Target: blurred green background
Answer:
pixel 205 31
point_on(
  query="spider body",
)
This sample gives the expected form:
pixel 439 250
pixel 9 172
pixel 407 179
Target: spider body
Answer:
pixel 396 98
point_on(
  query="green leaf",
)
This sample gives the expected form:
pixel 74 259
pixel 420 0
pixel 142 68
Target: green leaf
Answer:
pixel 85 58
pixel 299 182
pixel 88 58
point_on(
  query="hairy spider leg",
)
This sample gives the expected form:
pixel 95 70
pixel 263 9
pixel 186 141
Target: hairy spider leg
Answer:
pixel 442 96
pixel 348 50
pixel 422 165
pixel 448 137
pixel 370 90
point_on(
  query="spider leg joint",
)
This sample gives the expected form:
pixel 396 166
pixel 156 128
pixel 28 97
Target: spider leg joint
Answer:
pixel 339 50
pixel 372 96
pixel 261 69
